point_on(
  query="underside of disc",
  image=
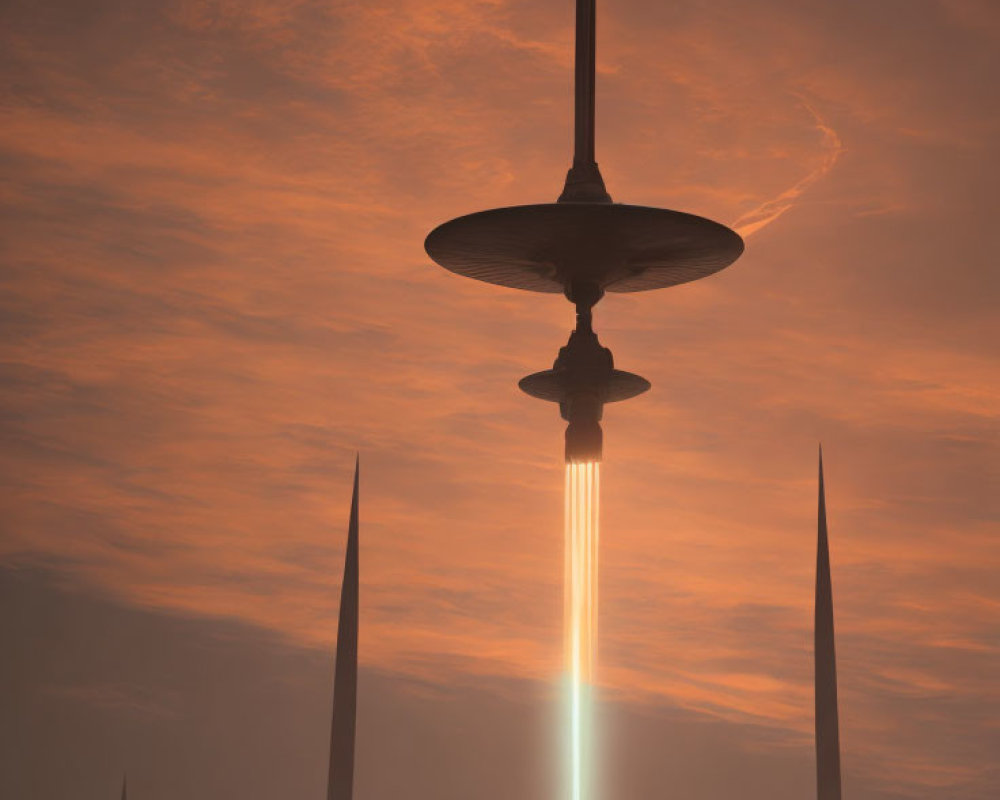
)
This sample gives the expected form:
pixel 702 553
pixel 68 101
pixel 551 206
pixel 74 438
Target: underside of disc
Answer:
pixel 621 248
pixel 551 385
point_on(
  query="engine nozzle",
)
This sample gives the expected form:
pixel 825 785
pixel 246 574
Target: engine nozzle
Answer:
pixel 584 441
pixel 582 379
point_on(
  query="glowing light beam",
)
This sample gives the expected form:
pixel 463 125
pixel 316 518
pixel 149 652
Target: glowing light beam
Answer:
pixel 582 541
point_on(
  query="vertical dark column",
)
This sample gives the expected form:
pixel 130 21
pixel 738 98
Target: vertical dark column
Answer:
pixel 586 71
pixel 340 785
pixel 124 787
pixel 827 724
pixel 584 183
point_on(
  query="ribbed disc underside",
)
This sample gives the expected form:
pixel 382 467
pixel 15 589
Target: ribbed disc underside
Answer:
pixel 622 248
pixel 551 385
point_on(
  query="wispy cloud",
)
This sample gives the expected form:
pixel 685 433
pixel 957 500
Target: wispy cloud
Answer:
pixel 214 293
pixel 770 210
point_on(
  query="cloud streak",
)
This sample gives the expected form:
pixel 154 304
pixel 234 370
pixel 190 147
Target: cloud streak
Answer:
pixel 770 210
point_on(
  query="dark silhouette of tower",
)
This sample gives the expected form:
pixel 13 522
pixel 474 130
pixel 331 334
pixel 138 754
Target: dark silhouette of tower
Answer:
pixel 340 784
pixel 825 658
pixel 582 246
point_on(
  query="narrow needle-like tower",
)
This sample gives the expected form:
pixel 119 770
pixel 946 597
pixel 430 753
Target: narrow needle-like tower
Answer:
pixel 340 783
pixel 825 658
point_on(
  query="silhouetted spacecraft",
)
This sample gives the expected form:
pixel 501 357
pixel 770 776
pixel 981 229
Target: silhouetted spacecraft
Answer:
pixel 825 664
pixel 340 781
pixel 583 245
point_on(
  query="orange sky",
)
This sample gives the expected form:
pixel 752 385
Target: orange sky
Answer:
pixel 214 293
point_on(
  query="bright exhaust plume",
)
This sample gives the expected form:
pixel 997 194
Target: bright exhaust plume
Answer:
pixel 580 615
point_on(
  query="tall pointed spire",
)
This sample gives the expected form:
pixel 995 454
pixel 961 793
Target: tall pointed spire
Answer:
pixel 827 725
pixel 340 785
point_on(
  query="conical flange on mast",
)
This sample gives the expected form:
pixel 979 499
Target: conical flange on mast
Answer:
pixel 583 246
pixel 584 183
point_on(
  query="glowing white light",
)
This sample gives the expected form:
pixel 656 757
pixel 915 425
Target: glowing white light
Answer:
pixel 581 551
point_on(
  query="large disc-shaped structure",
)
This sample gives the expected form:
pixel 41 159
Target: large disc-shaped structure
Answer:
pixel 547 247
pixel 554 385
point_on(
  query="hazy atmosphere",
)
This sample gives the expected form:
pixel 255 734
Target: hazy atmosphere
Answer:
pixel 214 293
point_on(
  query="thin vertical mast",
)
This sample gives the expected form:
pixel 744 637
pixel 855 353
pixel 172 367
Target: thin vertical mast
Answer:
pixel 586 69
pixel 340 785
pixel 827 724
pixel 584 183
